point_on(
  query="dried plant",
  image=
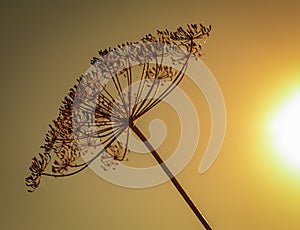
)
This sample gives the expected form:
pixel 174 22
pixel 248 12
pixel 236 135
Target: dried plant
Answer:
pixel 114 109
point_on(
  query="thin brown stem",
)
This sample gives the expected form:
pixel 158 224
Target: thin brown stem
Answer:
pixel 172 178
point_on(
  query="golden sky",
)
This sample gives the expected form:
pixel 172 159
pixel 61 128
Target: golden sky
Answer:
pixel 253 52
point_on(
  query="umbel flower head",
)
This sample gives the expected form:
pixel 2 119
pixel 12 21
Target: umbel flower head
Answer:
pixel 102 105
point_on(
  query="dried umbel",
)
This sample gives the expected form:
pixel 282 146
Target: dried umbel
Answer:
pixel 103 105
pixel 60 144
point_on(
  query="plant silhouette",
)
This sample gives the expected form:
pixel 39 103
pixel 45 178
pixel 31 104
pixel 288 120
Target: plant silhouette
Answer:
pixel 103 105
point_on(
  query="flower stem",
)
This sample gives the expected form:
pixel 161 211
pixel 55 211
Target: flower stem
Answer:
pixel 172 178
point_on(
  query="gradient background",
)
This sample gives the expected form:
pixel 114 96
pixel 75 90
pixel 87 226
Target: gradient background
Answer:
pixel 254 53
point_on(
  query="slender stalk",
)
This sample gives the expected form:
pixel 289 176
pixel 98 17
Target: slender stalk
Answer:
pixel 172 177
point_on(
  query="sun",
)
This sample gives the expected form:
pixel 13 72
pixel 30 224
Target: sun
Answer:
pixel 285 131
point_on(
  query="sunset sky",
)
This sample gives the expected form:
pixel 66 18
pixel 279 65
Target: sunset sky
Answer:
pixel 253 52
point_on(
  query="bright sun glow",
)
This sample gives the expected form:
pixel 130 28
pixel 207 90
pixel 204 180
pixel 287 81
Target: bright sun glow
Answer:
pixel 286 131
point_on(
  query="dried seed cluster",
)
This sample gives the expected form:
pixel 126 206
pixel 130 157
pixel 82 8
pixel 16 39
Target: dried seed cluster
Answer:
pixel 98 108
